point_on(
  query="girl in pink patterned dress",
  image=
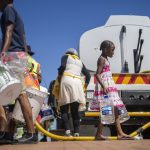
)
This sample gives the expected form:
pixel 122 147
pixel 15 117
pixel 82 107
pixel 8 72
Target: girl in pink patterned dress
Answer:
pixel 106 86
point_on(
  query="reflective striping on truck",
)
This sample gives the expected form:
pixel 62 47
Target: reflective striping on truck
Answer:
pixel 131 78
pixel 143 78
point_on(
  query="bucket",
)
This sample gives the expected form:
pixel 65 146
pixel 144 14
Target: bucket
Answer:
pixel 17 63
pixel 36 99
pixel 46 113
pixel 10 87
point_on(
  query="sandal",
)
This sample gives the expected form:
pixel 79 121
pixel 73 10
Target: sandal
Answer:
pixel 125 138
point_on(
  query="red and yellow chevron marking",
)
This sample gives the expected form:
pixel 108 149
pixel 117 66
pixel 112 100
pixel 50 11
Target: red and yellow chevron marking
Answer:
pixel 143 78
pixel 131 78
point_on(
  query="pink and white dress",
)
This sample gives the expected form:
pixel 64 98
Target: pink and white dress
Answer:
pixel 108 82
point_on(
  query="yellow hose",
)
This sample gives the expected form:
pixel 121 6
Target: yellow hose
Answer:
pixel 144 127
pixel 91 138
pixel 64 138
pixel 132 114
pixel 146 71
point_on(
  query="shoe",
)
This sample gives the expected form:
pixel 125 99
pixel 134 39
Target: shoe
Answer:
pixel 28 138
pixel 43 139
pixel 2 135
pixel 68 133
pixel 7 138
pixel 125 138
pixel 76 134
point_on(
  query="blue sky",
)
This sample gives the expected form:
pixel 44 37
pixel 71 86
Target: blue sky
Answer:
pixel 52 26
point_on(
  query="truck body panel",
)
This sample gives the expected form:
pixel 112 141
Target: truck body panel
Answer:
pixel 124 42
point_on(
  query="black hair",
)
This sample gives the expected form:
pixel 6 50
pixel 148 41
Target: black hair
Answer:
pixel 70 53
pixel 5 2
pixel 10 1
pixel 106 44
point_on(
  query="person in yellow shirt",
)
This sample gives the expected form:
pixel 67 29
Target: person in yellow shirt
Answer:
pixel 34 68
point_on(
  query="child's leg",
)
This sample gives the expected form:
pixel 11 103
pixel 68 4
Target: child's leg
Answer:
pixel 99 135
pixel 120 133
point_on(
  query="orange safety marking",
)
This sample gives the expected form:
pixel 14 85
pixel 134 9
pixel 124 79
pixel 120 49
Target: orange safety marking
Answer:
pixel 130 78
pixel 146 79
pixel 139 80
pixel 120 79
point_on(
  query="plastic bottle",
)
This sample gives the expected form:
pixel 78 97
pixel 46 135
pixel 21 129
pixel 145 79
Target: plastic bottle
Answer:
pixel 20 130
pixel 123 114
pixel 82 107
pixel 107 110
pixel 46 113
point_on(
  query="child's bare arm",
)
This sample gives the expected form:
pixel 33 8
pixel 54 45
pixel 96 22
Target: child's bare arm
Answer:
pixel 100 65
